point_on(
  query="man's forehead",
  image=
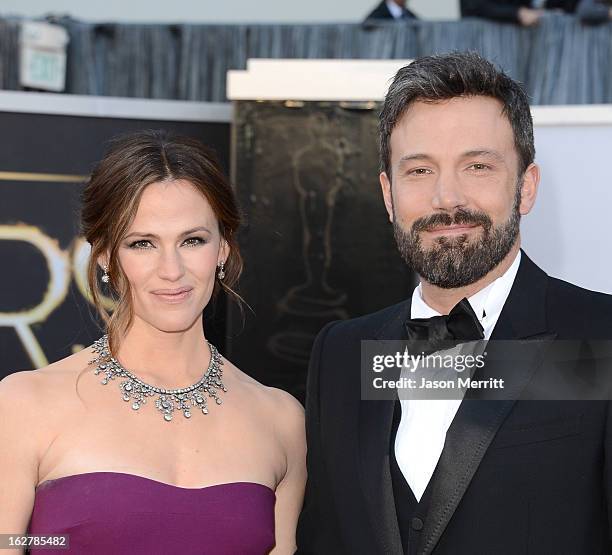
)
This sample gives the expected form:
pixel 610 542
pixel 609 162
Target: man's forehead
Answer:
pixel 459 125
pixel 452 106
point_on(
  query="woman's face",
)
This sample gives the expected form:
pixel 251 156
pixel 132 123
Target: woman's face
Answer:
pixel 170 255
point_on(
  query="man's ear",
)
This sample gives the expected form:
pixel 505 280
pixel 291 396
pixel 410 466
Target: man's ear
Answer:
pixel 385 185
pixel 529 188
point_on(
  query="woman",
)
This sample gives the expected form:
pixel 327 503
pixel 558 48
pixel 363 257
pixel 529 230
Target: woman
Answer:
pixel 150 441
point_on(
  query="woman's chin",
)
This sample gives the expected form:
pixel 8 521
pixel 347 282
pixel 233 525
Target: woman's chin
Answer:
pixel 175 325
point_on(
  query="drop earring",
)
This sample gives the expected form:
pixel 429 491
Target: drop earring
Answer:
pixel 221 270
pixel 105 276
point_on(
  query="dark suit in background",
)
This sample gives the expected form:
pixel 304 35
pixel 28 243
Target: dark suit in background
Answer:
pixel 514 477
pixel 507 10
pixel 382 12
pixel 594 12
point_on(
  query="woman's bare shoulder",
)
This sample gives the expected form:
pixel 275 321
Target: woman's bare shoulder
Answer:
pixel 283 406
pixel 34 408
pixel 282 412
pixel 45 382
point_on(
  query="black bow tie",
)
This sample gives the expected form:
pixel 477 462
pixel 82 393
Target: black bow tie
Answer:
pixel 440 332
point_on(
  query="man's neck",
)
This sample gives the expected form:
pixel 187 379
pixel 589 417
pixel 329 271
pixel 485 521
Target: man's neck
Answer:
pixel 443 300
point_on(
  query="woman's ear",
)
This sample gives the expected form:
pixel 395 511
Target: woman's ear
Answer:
pixel 224 252
pixel 103 261
pixel 103 264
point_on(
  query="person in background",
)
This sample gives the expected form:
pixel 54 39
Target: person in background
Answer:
pixel 594 11
pixel 391 9
pixel 523 12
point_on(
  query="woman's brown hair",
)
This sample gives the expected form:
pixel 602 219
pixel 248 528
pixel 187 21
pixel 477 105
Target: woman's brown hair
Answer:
pixel 111 198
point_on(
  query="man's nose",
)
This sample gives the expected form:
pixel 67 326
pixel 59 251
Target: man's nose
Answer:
pixel 448 193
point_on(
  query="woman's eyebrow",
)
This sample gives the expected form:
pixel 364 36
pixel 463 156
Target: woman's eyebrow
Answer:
pixel 153 236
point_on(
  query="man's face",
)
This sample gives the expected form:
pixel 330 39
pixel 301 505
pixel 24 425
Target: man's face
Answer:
pixel 456 197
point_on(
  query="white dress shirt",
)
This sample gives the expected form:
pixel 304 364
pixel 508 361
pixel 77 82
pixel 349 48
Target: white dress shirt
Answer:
pixel 395 10
pixel 424 423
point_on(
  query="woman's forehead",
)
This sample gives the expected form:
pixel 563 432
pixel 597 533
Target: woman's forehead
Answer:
pixel 173 199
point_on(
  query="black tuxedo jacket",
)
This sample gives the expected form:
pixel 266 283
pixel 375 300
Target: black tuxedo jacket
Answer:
pixel 514 477
pixel 507 10
pixel 382 12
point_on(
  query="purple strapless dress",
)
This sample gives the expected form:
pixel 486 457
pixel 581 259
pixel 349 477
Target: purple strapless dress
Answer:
pixel 114 513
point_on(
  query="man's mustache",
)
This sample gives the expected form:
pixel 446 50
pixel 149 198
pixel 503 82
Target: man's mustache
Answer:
pixel 459 217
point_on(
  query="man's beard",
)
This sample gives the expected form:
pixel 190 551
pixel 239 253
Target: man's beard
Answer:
pixel 456 261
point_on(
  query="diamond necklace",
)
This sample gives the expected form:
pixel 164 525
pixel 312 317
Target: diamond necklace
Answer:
pixel 168 400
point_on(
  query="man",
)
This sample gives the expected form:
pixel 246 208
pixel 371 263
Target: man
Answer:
pixel 464 476
pixel 524 12
pixel 391 9
pixel 594 12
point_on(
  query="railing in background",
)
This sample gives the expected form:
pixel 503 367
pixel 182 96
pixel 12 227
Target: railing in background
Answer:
pixel 561 61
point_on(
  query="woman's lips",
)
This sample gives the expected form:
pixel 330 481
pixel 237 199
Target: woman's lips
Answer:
pixel 172 295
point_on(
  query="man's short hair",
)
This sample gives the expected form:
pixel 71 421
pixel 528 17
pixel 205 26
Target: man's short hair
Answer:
pixel 460 74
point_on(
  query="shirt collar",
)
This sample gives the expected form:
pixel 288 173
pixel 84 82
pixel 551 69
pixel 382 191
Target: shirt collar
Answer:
pixel 487 303
pixel 396 11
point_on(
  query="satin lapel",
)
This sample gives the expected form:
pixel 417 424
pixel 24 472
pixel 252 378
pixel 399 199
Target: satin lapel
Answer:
pixel 375 422
pixel 472 431
pixel 376 418
pixel 524 313
pixel 477 421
